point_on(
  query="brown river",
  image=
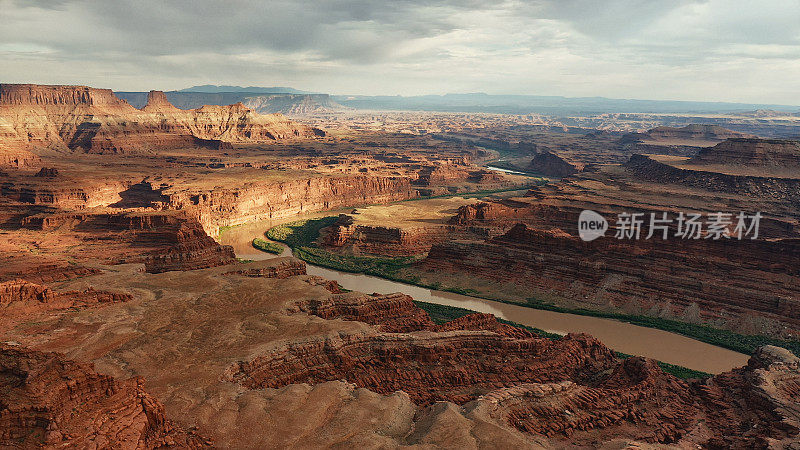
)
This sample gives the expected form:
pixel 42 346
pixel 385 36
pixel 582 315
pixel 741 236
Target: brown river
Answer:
pixel 623 337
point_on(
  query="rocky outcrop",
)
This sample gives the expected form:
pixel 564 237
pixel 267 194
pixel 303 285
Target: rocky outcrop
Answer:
pixel 21 299
pixel 778 153
pixel 384 240
pixel 438 174
pixel 764 395
pixel 397 313
pixel 272 268
pixel 62 191
pixel 47 172
pixel 80 118
pixel 215 206
pixel 637 394
pixel 551 165
pixel 48 401
pixel 677 141
pixel 23 292
pixel 392 313
pixel 482 213
pixel 15 157
pixel 55 95
pixel 457 366
pixel 752 407
pixel 157 103
pixel 189 248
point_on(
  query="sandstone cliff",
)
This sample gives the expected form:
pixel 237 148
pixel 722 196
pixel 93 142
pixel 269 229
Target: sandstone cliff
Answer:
pixel 80 118
pixel 277 199
pixel 729 280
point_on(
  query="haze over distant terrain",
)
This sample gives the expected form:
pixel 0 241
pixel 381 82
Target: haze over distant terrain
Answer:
pixel 290 100
pixel 212 89
pixel 715 50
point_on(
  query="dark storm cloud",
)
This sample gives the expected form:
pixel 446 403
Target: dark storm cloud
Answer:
pixel 710 49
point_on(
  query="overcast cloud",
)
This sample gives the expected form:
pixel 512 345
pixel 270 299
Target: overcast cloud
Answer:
pixel 683 50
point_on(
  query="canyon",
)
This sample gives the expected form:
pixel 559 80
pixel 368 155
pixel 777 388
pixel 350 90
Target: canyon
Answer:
pixel 526 248
pixel 125 322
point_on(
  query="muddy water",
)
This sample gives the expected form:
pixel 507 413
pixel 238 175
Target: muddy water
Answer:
pixel 635 340
pixel 498 169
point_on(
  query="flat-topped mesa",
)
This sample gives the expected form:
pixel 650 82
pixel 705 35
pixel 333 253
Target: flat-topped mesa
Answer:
pixel 695 132
pixel 780 153
pixel 157 102
pixel 58 95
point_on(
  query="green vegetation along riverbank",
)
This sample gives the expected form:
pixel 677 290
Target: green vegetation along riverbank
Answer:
pixel 302 235
pixel 266 246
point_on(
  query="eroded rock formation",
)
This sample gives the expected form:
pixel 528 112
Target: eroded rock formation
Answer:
pixel 456 366
pixel 162 240
pixel 26 293
pixel 283 268
pixel 752 407
pixel 187 244
pixel 80 118
pixel 386 240
pixel 252 202
pixel 21 299
pixel 48 401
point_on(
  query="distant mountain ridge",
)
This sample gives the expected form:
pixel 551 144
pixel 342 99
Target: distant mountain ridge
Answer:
pixel 541 104
pixel 216 89
pixel 262 103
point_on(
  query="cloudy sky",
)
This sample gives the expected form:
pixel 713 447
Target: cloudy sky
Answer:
pixel 714 50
